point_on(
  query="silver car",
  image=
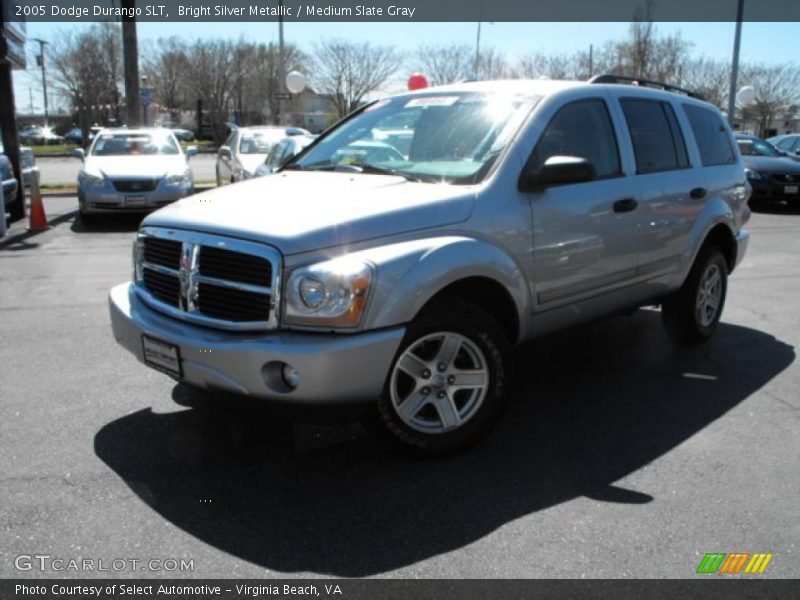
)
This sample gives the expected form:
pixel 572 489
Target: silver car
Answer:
pixel 246 149
pixel 404 278
pixel 133 170
pixel 283 152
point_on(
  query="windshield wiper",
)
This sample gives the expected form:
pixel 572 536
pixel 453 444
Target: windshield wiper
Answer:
pixel 376 170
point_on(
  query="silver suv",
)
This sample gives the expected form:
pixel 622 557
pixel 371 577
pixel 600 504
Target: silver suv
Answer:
pixel 402 275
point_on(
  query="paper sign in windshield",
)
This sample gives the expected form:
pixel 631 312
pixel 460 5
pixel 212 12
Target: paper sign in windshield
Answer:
pixel 432 101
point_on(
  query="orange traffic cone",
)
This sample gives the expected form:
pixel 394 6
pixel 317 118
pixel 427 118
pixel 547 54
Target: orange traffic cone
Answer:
pixel 37 219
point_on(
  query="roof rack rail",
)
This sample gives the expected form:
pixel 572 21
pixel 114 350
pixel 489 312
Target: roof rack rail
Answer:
pixel 659 85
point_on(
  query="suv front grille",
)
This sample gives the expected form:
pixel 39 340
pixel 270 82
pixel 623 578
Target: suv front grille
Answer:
pixel 786 177
pixel 166 253
pixel 135 185
pixel 235 266
pixel 210 280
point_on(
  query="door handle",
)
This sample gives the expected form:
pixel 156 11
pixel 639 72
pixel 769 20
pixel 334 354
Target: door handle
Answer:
pixel 698 193
pixel 625 205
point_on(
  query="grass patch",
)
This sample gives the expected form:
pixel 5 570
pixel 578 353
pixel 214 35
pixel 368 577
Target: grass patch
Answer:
pixel 52 149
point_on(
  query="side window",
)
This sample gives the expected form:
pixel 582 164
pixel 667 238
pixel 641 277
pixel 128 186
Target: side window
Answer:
pixel 583 129
pixel 785 144
pixel 711 135
pixel 656 137
pixel 796 147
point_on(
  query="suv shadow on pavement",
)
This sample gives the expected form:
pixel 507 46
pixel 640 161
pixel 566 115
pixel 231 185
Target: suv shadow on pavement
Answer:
pixel 108 223
pixel 591 406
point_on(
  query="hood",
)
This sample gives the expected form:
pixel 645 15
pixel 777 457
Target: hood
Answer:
pixel 251 162
pixel 771 164
pixel 299 211
pixel 135 166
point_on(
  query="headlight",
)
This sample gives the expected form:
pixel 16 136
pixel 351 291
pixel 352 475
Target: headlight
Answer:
pixel 138 258
pixel 753 175
pixel 89 180
pixel 332 293
pixel 180 177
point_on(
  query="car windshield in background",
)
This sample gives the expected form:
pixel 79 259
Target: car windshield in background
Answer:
pixel 757 148
pixel 256 143
pixel 445 137
pixel 126 144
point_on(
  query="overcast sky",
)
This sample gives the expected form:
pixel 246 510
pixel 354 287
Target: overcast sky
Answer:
pixel 761 42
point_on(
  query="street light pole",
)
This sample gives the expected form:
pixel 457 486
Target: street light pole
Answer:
pixel 737 40
pixel 40 58
pixel 281 63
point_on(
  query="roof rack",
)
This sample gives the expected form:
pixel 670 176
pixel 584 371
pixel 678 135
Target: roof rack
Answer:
pixel 620 79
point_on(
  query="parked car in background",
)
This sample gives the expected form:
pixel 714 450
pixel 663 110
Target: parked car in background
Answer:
pixel 773 176
pixel 788 143
pixel 283 152
pixel 74 136
pixel 521 208
pixel 133 170
pixel 40 136
pixel 183 135
pixel 246 149
pixel 30 172
pixel 9 185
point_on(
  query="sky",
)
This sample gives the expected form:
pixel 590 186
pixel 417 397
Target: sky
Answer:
pixel 761 42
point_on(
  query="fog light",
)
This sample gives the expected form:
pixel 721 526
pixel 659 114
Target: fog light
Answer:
pixel 290 376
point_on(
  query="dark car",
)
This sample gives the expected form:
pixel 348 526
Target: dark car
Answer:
pixel 774 177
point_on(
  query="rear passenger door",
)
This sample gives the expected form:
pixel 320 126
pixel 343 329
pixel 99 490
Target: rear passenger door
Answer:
pixel 581 232
pixel 669 188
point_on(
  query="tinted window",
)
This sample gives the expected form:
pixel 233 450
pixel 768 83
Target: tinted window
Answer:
pixel 656 137
pixel 581 129
pixel 711 136
pixel 785 144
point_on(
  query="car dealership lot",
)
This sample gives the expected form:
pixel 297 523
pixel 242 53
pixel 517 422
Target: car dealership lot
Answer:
pixel 621 456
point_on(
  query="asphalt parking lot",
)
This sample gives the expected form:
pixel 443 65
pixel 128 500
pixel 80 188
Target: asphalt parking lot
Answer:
pixel 620 456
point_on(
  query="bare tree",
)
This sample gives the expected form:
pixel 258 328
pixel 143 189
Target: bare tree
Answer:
pixel 348 71
pixel 777 88
pixel 443 64
pixel 552 66
pixel 210 76
pixel 492 64
pixel 166 65
pixel 710 78
pixel 86 70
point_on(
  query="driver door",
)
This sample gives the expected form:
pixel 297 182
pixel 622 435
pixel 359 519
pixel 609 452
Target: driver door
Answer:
pixel 584 234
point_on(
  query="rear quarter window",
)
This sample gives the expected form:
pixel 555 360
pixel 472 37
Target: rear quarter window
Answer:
pixel 657 140
pixel 711 136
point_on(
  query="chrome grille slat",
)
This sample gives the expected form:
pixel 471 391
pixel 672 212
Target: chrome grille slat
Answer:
pixel 208 279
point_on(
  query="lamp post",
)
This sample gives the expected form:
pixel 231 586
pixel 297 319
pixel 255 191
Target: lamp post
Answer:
pixel 144 101
pixel 737 40
pixel 40 60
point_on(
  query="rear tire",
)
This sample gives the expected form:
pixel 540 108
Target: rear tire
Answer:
pixel 448 383
pixel 692 314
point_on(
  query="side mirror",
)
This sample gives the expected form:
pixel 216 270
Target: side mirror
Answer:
pixel 79 153
pixel 225 152
pixel 557 170
pixel 191 151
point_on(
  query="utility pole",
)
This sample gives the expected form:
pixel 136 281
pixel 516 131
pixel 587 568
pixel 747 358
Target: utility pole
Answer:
pixel 281 63
pixel 130 53
pixel 737 40
pixel 40 60
pixel 591 60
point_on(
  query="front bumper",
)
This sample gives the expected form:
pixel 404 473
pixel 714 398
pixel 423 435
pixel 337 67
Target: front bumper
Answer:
pixel 105 199
pixel 332 368
pixel 742 241
pixel 769 189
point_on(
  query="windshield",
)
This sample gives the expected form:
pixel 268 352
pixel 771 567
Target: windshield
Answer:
pixel 125 144
pixel 258 142
pixel 445 137
pixel 750 147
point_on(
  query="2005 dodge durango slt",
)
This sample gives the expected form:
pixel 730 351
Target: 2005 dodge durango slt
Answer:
pixel 399 258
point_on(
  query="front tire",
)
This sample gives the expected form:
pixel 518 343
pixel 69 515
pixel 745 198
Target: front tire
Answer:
pixel 691 316
pixel 449 381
